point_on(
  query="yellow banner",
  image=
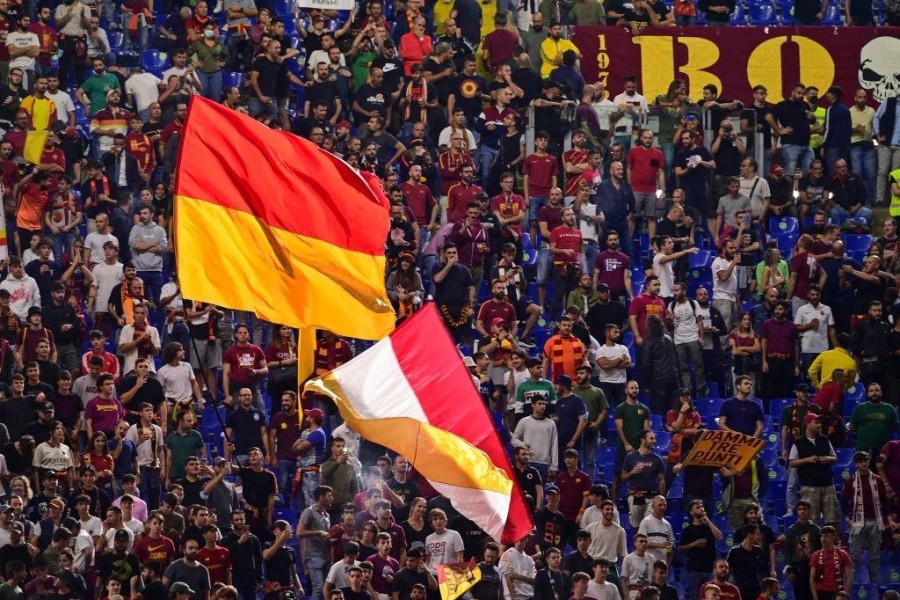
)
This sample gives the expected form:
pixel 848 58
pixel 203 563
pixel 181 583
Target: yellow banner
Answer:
pixel 723 449
pixel 456 579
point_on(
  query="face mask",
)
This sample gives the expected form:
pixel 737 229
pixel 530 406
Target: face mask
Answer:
pixel 99 71
pixel 208 33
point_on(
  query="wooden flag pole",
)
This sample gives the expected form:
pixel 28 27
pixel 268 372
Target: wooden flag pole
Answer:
pixel 306 363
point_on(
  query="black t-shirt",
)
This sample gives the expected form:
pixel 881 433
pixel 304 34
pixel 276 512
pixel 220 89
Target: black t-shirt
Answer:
pixel 746 569
pixel 406 490
pixel 155 590
pixel 192 490
pixel 468 90
pixel 700 560
pixel 9 553
pixel 269 74
pixel 728 158
pixel 15 462
pixel 349 594
pixel 258 486
pixel 600 315
pixel 644 18
pixel 781 190
pixel 372 98
pixel 472 535
pixel 405 579
pixel 768 538
pixel 549 528
pixel 616 6
pixel 387 145
pixel 119 567
pixel 454 289
pixel 323 91
pixel 444 87
pixel 278 568
pixel 392 69
pixel 245 429
pixel 9 102
pixel 792 113
pixel 694 180
pixel 756 115
pixel 490 587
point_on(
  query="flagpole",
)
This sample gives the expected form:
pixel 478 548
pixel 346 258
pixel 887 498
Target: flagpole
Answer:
pixel 306 363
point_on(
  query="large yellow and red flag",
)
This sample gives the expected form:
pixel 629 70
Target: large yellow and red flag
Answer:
pixel 411 393
pixel 267 222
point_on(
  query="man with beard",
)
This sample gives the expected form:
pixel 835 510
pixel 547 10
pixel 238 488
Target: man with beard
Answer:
pixel 647 176
pixel 693 164
pixel 615 199
pixel 698 541
pixel 121 565
pixel 190 571
pixel 873 421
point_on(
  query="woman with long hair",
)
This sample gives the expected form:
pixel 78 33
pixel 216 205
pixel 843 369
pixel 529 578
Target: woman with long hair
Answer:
pixel 683 422
pixel 746 349
pixel 774 272
pixel 99 457
pixel 281 358
pixel 416 527
pixel 404 287
pixel 20 486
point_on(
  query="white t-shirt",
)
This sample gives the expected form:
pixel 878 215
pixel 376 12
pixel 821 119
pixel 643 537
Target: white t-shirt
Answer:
pixel 586 224
pixel 603 590
pixel 93 526
pixel 64 104
pixel 604 108
pixel 666 275
pixel 618 374
pixel 723 290
pixel 593 514
pixel 145 89
pixel 513 561
pixel 106 277
pixel 658 531
pixel 607 542
pixel 17 39
pixel 441 548
pixel 518 378
pixel 84 560
pixel 444 138
pixel 685 321
pixel 638 569
pixel 110 536
pixel 94 242
pixel 176 381
pixel 634 104
pixel 136 527
pixel 144 449
pixel 339 574
pixel 814 341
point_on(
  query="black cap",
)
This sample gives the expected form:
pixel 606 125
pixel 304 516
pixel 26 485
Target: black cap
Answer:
pixel 551 489
pixel 58 126
pixel 549 83
pixel 801 387
pixel 684 391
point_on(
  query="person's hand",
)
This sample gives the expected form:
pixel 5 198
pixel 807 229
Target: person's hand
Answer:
pixel 765 366
pixel 701 543
pixel 265 100
pixel 629 448
pixel 229 400
pixel 814 323
pixel 453 260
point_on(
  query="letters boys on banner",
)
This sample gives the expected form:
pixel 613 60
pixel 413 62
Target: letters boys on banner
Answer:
pixel 723 449
pixel 735 59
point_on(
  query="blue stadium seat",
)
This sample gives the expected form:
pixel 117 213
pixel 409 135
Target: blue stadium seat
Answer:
pixel 526 240
pixel 763 14
pixel 784 225
pixel 153 60
pixel 857 241
pixel 678 520
pixel 843 473
pixel 787 12
pixel 709 407
pixel 864 592
pixel 529 256
pixel 115 40
pixel 285 8
pixel 786 244
pixel 701 18
pixel 702 260
pixel 776 405
pixel 656 423
pixel 777 473
pixel 889 575
pixel 663 439
pixel 232 78
pixel 832 16
pixel 738 17
pixel 844 456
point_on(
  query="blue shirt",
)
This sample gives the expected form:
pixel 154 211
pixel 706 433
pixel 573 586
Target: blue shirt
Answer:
pixel 568 410
pixel 741 415
pixel 616 204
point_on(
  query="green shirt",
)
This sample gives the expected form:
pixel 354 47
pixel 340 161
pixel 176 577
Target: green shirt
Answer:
pixel 360 68
pixel 528 389
pixel 180 447
pixel 633 417
pixel 209 56
pixel 11 592
pixel 874 425
pixel 96 87
pixel 588 13
pixel 594 400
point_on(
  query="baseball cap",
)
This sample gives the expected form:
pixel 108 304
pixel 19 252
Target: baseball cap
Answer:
pixel 5 508
pixel 549 84
pixel 388 43
pixel 57 503
pixel 498 321
pixel 602 286
pixel 180 587
pixel 684 391
pixel 4 293
pixel 801 387
pixel 316 414
pixel 122 534
pixel 468 361
pixel 46 406
pixel 70 523
pixel 16 526
pixel 551 489
pixel 345 124
pixel 219 460
pixel 810 417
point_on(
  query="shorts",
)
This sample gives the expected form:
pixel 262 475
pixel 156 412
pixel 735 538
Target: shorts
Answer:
pixel 257 108
pixel 207 356
pixel 521 307
pixel 648 205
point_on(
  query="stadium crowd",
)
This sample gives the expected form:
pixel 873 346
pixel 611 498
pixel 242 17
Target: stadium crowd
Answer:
pixel 614 289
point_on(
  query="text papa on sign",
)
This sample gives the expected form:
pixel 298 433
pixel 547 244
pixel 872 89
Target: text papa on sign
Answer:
pixel 734 59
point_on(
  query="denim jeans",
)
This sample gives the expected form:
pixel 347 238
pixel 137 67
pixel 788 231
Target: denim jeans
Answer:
pixel 484 157
pixel 308 487
pixel 150 487
pixel 832 154
pixel 535 204
pixel 211 84
pixel 285 475
pixel 862 163
pixel 62 243
pixel 839 212
pixel 794 155
pixel 142 31
pixel 792 490
pixel 544 470
pixel 153 282
pixel 428 263
pixel 868 538
pixel 545 265
pixel 685 21
pixel 318 567
pixel 590 250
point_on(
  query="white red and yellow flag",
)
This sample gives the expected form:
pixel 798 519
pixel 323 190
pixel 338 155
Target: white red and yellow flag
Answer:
pixel 411 393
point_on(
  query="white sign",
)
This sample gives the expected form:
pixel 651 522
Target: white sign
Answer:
pixel 327 4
